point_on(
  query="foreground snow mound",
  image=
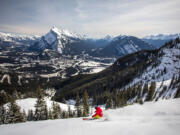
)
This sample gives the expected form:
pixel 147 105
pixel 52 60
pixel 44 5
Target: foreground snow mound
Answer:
pixel 162 117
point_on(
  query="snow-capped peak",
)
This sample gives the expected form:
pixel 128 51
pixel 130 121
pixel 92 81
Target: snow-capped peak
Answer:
pixel 119 37
pixel 63 32
pixel 57 39
pixel 56 34
pixel 11 37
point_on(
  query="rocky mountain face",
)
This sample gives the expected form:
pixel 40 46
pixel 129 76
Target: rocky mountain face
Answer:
pixel 123 45
pixel 56 40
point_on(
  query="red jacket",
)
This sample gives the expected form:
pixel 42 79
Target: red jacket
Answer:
pixel 98 112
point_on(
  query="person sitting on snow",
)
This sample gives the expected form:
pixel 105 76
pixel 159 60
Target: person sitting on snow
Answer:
pixel 98 113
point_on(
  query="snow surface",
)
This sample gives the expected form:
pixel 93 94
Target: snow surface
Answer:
pixel 162 117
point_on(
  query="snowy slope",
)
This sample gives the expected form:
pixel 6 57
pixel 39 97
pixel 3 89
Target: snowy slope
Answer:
pixel 165 68
pixel 162 117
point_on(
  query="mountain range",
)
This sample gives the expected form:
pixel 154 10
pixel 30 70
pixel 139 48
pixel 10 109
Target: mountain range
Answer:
pixel 159 39
pixel 53 59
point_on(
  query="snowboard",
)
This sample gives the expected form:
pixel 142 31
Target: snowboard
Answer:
pixel 88 119
pixel 101 119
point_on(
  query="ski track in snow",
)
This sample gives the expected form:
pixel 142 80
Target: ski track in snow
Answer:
pixel 162 117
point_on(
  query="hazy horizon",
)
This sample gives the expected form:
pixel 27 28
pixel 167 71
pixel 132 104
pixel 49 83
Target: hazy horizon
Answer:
pixel 90 17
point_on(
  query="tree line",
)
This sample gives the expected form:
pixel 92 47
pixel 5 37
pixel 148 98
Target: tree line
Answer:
pixel 12 113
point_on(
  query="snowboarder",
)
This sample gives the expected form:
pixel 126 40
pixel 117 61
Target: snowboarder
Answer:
pixel 98 113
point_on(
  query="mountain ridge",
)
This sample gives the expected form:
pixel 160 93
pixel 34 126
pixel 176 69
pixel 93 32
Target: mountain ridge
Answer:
pixel 130 71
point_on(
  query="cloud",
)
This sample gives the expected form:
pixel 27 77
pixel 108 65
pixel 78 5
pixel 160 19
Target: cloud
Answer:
pixel 95 17
pixel 136 17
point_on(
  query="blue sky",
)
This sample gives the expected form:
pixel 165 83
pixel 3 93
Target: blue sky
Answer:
pixel 96 18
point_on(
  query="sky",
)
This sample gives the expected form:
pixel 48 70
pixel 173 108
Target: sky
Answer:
pixel 95 18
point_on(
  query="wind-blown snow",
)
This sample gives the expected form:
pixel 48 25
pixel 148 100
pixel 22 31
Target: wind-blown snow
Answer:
pixel 162 117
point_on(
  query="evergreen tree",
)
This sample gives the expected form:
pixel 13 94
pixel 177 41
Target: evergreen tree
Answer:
pixel 56 111
pixel 14 114
pixel 139 89
pixel 24 116
pixel 109 103
pixel 178 92
pixel 94 101
pixel 64 114
pixel 165 70
pixel 30 115
pixel 70 113
pixel 46 112
pixel 85 104
pixel 151 91
pixel 172 81
pixel 15 94
pixel 129 91
pixel 141 101
pixel 116 99
pixel 123 99
pixel 145 89
pixel 77 105
pixel 50 116
pixel 74 113
pixel 63 100
pixel 3 98
pixel 2 115
pixel 40 106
